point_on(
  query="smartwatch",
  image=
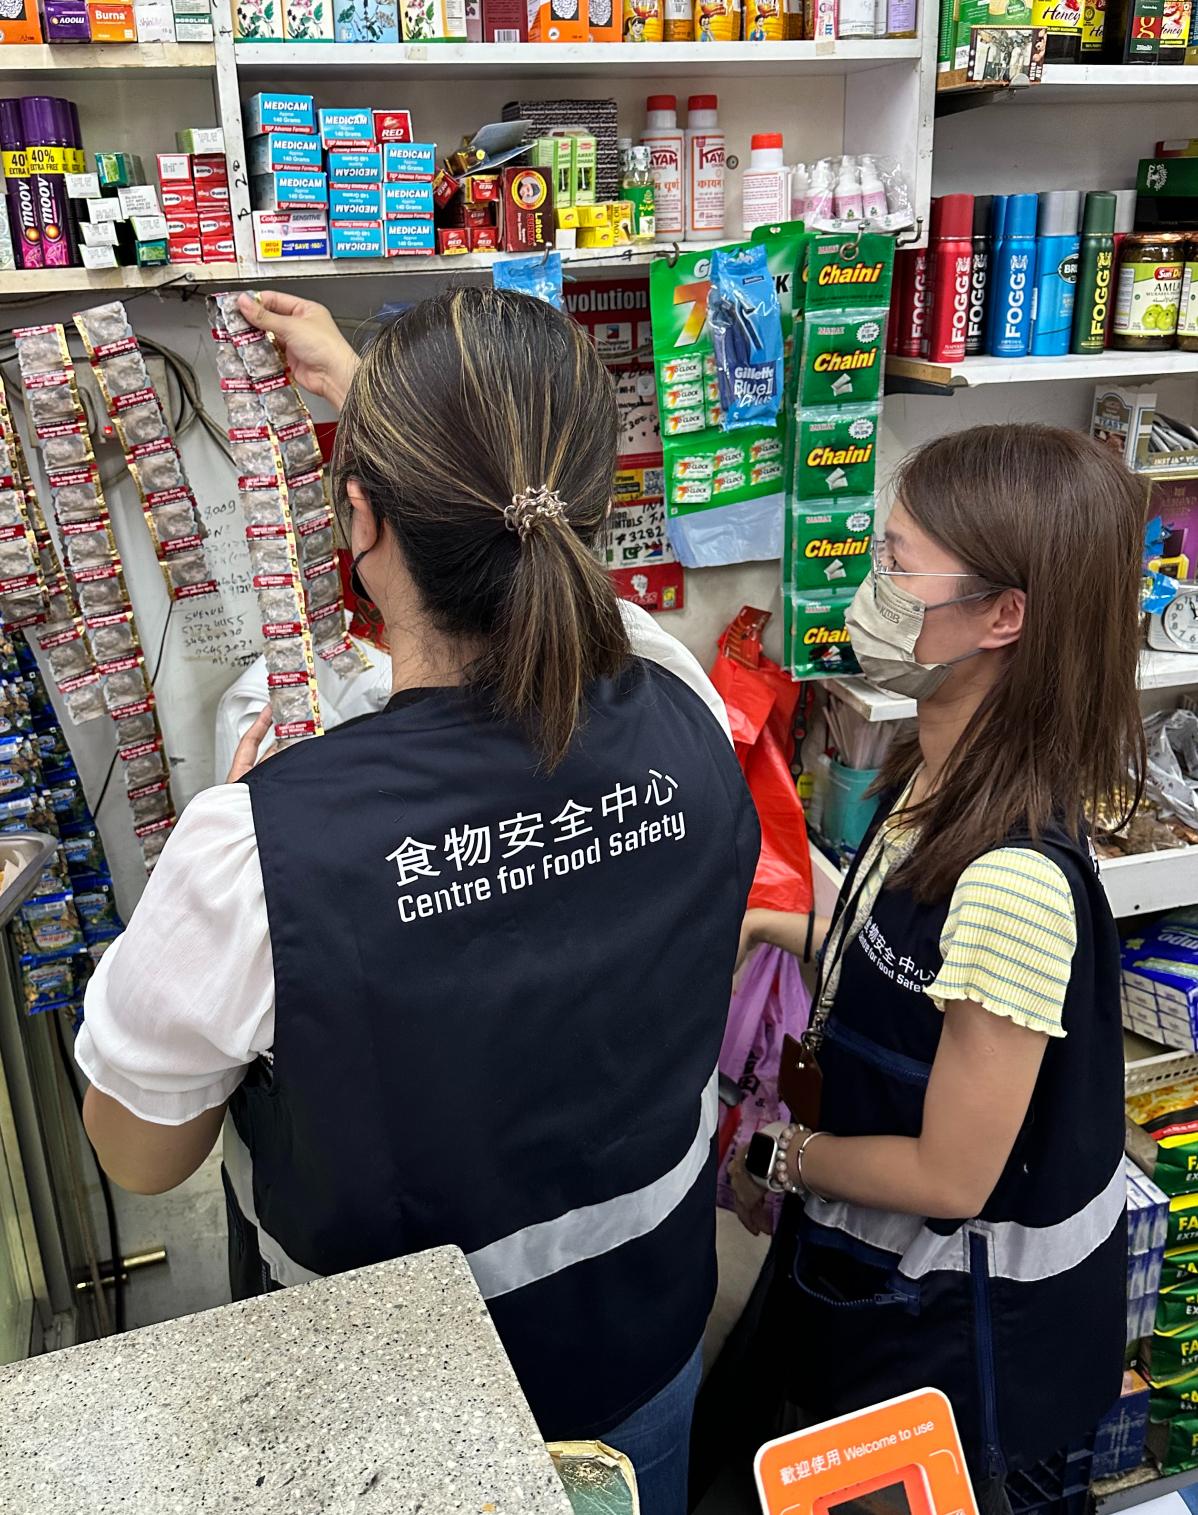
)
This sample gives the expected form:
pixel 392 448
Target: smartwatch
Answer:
pixel 765 1157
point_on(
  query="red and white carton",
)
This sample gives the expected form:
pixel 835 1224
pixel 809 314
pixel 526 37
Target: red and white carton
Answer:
pixel 174 168
pixel 393 126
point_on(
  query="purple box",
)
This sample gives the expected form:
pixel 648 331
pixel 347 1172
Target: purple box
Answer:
pixel 66 21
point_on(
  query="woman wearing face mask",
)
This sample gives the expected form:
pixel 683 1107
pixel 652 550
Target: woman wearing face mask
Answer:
pixel 959 1164
pixel 440 965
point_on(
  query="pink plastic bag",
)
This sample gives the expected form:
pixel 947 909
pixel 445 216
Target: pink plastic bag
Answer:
pixel 770 1001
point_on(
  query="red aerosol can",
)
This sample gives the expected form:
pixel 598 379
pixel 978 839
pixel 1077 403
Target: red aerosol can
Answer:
pixel 908 303
pixel 950 250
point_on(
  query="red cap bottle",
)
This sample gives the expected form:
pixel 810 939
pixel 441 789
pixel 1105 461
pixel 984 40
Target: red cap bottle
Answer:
pixel 950 251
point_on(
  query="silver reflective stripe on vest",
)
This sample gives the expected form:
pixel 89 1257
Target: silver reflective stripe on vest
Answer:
pixel 1024 1254
pixel 538 1251
pixel 240 1168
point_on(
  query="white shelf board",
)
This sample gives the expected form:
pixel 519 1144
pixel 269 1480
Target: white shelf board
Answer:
pixel 1168 670
pixel 974 372
pixel 54 281
pixel 451 263
pixel 82 60
pixel 1087 83
pixel 530 60
pixel 1151 880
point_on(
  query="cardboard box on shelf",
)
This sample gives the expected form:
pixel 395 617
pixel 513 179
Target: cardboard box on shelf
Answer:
pixel 411 234
pixel 279 236
pixel 274 150
pixel 207 141
pixel 112 21
pixel 357 240
pixel 155 20
pixel 453 239
pixel 289 189
pixel 484 238
pixel 344 130
pixel 505 21
pixel 355 202
pixel 408 197
pixel 98 257
pixel 526 210
pixel 66 21
pixel 174 169
pixel 364 167
pixel 193 28
pixel 308 21
pixel 19 23
pixel 366 21
pixel 276 111
pixel 393 126
pixel 409 160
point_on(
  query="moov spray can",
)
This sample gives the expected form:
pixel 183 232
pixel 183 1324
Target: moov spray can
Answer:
pixel 950 244
pixel 1014 273
pixel 1056 272
pixel 1095 273
pixel 975 330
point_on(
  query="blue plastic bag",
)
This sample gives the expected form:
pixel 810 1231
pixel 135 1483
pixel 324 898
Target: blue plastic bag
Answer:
pixel 539 276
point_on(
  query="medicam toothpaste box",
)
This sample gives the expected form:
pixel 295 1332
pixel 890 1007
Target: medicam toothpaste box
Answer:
pixel 410 235
pixel 409 160
pixel 408 197
pixel 289 189
pixel 276 150
pixel 275 112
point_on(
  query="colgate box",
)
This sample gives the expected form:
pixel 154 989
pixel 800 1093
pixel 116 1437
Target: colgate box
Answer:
pixel 526 210
pixel 279 237
pixel 393 126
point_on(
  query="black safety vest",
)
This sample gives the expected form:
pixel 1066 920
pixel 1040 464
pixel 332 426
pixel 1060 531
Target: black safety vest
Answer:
pixel 499 1000
pixel 1018 1315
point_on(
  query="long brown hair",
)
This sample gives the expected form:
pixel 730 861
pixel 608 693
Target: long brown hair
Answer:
pixel 463 402
pixel 1052 513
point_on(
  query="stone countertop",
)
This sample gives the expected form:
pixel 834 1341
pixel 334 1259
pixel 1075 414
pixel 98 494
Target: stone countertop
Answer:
pixel 384 1390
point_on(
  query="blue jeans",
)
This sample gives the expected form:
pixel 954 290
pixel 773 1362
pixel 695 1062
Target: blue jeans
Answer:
pixel 656 1438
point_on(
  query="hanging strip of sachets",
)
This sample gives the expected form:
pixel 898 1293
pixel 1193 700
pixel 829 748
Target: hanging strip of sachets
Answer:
pixel 94 651
pixel 288 522
pixel 22 577
pixel 153 460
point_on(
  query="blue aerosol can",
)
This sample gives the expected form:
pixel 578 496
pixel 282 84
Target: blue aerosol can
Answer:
pixel 1014 279
pixel 1057 246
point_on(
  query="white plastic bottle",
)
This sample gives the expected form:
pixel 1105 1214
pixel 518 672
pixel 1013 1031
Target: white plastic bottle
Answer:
pixel 873 191
pixel 765 184
pixel 667 153
pixel 847 202
pixel 820 197
pixel 704 170
pixel 799 192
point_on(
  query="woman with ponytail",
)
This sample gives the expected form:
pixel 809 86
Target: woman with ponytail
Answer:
pixel 436 972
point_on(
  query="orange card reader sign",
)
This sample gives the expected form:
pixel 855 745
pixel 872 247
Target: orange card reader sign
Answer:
pixel 899 1458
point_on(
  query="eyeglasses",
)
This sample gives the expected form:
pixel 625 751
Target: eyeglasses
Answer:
pixel 884 567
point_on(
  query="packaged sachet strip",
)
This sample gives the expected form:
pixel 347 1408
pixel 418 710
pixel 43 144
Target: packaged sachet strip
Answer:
pixel 84 853
pixel 282 402
pixel 346 662
pixel 8 465
pixel 188 574
pixel 261 357
pixel 323 584
pixel 265 507
pixel 271 556
pixel 53 749
pixel 18 555
pixel 306 495
pixel 41 711
pixel 157 468
pixel 245 410
pixel 296 710
pixel 174 521
pixel 69 656
pixel 282 605
pixel 90 549
pixel 48 927
pixel 97 912
pixel 148 766
pixel 224 312
pixel 125 686
pixel 23 608
pixel 29 812
pixel 254 453
pixel 52 400
pixel 41 349
pixel 15 711
pixel 136 727
pixel 123 374
pixel 69 803
pixel 53 879
pixel 84 698
pixel 316 546
pixel 20 763
pixel 299 449
pixel 103 594
pixel 141 422
pixel 229 363
pixel 150 803
pixel 152 840
pixel 843 354
pixel 288 655
pixel 103 326
pixel 78 497
pixel 114 637
pixel 47 986
pixel 65 449
pixel 837 452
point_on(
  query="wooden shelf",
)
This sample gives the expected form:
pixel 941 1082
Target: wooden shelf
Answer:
pixel 83 61
pixel 53 281
pixel 918 375
pixel 531 60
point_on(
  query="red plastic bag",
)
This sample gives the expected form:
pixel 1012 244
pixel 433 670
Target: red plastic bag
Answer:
pixel 761 701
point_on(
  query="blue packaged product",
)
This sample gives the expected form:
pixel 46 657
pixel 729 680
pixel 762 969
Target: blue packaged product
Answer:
pixel 355 168
pixel 268 153
pixel 1057 246
pixel 47 928
pixel 408 197
pixel 355 202
pixel 540 277
pixel 85 855
pixel 69 803
pixel 409 234
pixel 341 128
pixel 47 986
pixel 97 913
pixel 357 240
pixel 366 21
pixel 290 189
pixel 416 160
pixel 745 321
pixel 273 111
pixel 1014 275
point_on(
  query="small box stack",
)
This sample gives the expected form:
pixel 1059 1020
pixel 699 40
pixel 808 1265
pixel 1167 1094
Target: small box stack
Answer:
pixel 1147 1228
pixel 195 198
pixel 472 219
pixel 118 215
pixel 589 118
pixel 288 187
pixel 408 169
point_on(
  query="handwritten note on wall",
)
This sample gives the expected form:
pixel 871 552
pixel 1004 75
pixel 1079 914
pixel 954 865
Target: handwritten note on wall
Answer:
pixel 224 629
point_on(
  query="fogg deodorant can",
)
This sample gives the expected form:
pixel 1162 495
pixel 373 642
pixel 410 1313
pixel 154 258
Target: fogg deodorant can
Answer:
pixel 951 276
pixel 975 330
pixel 1014 275
pixel 908 303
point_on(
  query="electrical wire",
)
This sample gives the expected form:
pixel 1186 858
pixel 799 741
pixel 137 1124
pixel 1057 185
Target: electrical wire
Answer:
pixel 114 1236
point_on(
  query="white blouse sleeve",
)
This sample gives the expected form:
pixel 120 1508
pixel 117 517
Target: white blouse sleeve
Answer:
pixel 183 1002
pixel 653 644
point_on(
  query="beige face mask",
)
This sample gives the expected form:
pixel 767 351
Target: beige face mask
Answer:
pixel 884 625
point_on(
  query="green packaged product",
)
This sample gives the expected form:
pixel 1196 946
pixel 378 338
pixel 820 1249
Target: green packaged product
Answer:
pixel 849 273
pixel 1183 1221
pixel 842 357
pixel 1174 1357
pixel 828 548
pixel 1174 1443
pixel 816 643
pixel 1180 1267
pixel 837 453
pixel 1177 1309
